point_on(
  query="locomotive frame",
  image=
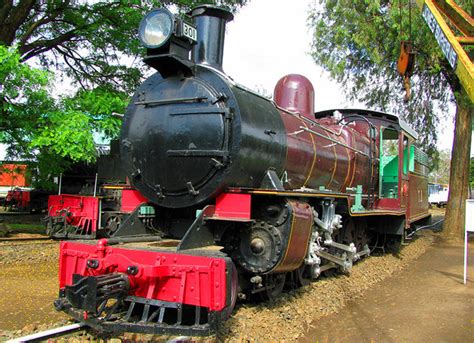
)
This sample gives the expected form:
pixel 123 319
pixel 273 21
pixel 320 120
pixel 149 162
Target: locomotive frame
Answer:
pixel 250 195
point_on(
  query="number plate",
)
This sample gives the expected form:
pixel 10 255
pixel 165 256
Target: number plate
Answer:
pixel 189 31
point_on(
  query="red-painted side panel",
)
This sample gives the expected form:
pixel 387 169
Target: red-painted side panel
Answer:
pixel 19 197
pixel 188 279
pixel 233 206
pixel 300 232
pixel 388 204
pixel 131 198
pixel 418 196
pixel 320 157
pixel 80 211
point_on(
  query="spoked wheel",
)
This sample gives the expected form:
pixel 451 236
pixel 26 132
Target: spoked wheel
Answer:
pixel 361 237
pixel 274 284
pixel 299 277
pixel 393 244
pixel 354 231
pixel 112 223
pixel 302 275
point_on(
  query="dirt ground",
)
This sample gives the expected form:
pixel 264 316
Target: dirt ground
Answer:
pixel 415 296
pixel 426 302
pixel 29 282
pixel 28 274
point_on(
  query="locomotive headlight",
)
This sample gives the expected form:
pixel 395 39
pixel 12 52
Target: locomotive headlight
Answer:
pixel 156 28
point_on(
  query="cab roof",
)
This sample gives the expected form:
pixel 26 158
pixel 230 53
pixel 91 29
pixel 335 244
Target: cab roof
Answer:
pixel 374 114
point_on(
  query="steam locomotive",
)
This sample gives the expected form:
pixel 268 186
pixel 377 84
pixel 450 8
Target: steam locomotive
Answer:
pixel 98 207
pixel 249 195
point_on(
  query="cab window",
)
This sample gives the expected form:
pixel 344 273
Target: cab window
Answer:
pixel 389 156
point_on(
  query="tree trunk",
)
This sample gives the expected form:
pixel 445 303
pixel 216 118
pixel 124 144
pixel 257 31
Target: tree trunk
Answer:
pixel 460 163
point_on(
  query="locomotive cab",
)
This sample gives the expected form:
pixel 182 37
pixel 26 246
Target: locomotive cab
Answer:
pixel 389 158
pixel 401 163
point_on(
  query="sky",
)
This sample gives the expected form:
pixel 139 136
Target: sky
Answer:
pixel 269 39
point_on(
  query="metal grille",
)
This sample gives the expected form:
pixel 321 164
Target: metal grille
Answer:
pixel 421 157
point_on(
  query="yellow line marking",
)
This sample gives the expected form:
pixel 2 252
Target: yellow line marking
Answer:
pixel 314 156
pixel 335 164
pixel 291 232
pixel 355 165
pixel 348 167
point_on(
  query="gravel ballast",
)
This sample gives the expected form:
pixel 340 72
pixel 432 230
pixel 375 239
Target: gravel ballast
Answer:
pixel 286 319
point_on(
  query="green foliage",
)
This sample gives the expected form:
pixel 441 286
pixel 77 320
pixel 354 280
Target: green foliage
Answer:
pixel 67 134
pixel 100 104
pixel 358 42
pixel 52 133
pixel 93 43
pixel 24 97
pixel 69 131
pixel 440 174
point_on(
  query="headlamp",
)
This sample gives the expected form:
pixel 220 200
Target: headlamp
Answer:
pixel 156 28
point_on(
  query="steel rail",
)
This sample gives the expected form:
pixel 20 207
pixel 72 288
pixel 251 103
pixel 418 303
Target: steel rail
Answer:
pixel 43 335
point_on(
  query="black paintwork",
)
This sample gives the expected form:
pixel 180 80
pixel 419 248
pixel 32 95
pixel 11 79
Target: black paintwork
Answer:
pixel 210 23
pixel 185 139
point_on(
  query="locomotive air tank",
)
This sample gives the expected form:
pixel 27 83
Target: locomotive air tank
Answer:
pixel 186 139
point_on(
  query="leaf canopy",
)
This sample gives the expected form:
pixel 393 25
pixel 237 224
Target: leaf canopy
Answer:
pixel 358 42
pixel 92 43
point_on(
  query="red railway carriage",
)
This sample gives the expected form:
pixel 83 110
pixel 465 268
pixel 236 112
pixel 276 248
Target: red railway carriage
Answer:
pixel 87 216
pixel 248 195
pixel 14 186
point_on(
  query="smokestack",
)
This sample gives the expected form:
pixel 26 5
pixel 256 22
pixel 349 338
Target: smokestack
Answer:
pixel 210 22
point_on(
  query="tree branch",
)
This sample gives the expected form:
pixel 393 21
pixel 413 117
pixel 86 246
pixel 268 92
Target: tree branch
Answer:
pixel 5 10
pixel 15 17
pixel 40 46
pixel 45 20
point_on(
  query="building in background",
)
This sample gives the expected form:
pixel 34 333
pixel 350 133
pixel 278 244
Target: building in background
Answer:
pixel 13 175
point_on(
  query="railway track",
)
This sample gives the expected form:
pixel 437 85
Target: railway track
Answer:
pixel 68 330
pixel 45 335
pixel 8 213
pixel 25 239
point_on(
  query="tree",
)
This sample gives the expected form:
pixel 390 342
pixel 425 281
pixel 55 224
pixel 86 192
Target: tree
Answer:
pixel 358 42
pixel 92 43
pixel 440 174
pixel 471 179
pixel 51 132
pixel 87 40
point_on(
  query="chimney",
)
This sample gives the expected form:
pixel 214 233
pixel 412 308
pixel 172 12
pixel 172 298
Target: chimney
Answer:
pixel 210 22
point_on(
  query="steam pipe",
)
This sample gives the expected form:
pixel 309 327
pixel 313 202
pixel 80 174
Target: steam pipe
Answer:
pixel 210 22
